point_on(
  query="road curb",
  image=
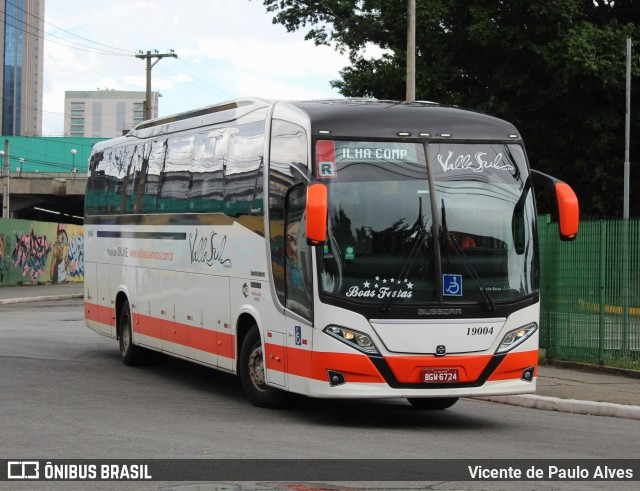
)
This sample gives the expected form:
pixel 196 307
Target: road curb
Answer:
pixel 573 406
pixel 44 298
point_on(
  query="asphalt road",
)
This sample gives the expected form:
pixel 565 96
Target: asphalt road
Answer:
pixel 64 394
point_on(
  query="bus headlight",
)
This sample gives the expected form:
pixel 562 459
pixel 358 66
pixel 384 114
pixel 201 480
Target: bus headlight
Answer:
pixel 516 337
pixel 355 339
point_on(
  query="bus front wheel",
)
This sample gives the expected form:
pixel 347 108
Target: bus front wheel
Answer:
pixel 433 403
pixel 129 353
pixel 253 373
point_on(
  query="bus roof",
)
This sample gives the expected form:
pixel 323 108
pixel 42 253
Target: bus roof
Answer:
pixel 346 118
pixel 388 119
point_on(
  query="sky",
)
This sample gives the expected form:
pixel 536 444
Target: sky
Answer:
pixel 226 49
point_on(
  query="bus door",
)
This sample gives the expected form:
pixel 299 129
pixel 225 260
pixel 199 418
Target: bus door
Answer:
pixel 298 284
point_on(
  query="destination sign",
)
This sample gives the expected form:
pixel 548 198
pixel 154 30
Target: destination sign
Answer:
pixel 393 152
pixel 331 155
pixel 374 153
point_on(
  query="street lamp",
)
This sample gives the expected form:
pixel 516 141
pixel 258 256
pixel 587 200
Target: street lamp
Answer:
pixel 73 156
pixel 5 192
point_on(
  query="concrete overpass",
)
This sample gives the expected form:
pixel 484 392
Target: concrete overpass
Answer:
pixel 42 176
pixel 52 196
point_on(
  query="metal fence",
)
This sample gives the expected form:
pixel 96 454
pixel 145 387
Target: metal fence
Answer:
pixel 590 289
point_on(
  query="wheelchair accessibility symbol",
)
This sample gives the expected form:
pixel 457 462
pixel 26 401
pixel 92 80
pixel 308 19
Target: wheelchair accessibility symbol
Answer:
pixel 452 285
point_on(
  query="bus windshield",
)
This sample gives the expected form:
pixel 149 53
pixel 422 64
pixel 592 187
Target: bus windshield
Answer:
pixel 414 223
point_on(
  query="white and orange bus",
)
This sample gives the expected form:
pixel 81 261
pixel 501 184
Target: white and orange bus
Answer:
pixel 336 249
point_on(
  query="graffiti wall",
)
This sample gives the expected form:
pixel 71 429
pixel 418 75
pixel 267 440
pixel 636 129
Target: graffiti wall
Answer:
pixel 40 252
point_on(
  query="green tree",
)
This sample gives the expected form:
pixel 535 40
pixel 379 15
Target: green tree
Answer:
pixel 555 68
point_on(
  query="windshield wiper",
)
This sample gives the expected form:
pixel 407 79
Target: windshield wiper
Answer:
pixel 418 244
pixel 450 237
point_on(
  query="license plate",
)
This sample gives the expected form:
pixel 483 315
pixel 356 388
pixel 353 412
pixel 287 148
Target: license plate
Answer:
pixel 439 375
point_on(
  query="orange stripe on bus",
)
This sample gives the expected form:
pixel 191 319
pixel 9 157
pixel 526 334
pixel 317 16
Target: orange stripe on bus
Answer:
pixel 91 311
pixel 407 369
pixel 355 367
pixel 215 342
pixel 147 325
pixel 199 338
pixel 98 313
pixel 314 365
pixel 513 365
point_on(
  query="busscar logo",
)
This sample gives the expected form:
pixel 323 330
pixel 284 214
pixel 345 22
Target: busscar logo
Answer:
pixel 439 311
pixel 23 469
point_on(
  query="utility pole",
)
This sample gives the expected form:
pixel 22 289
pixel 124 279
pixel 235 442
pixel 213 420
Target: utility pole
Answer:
pixel 627 165
pixel 147 56
pixel 626 262
pixel 411 50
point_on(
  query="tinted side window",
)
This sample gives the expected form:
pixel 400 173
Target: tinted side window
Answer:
pixel 210 148
pixel 215 170
pixel 175 175
pixel 116 170
pixel 108 180
pixel 243 170
pixel 96 185
pixel 133 166
pixel 141 203
pixel 288 144
pixel 156 154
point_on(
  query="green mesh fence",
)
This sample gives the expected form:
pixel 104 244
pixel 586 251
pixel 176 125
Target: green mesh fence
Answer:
pixel 590 289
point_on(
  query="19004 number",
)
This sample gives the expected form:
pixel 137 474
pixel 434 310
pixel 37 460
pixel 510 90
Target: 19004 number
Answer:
pixel 479 331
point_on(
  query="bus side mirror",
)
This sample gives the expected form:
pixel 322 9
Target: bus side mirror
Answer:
pixel 568 208
pixel 568 211
pixel 317 214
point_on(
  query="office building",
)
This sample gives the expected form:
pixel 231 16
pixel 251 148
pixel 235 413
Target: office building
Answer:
pixel 104 113
pixel 22 48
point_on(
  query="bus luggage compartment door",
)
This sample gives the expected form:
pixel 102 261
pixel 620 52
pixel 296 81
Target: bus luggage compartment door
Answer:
pixel 275 359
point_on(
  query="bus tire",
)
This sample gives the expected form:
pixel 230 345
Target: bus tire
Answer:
pixel 252 373
pixel 129 353
pixel 432 403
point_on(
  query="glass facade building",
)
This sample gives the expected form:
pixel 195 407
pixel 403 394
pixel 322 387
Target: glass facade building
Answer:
pixel 22 44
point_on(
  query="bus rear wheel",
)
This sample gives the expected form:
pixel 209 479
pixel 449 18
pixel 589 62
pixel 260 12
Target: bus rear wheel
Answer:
pixel 433 403
pixel 252 373
pixel 129 353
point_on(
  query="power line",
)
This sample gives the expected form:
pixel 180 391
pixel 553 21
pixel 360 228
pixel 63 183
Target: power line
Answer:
pixel 26 23
pixel 79 46
pixel 125 51
pixel 200 83
pixel 231 90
